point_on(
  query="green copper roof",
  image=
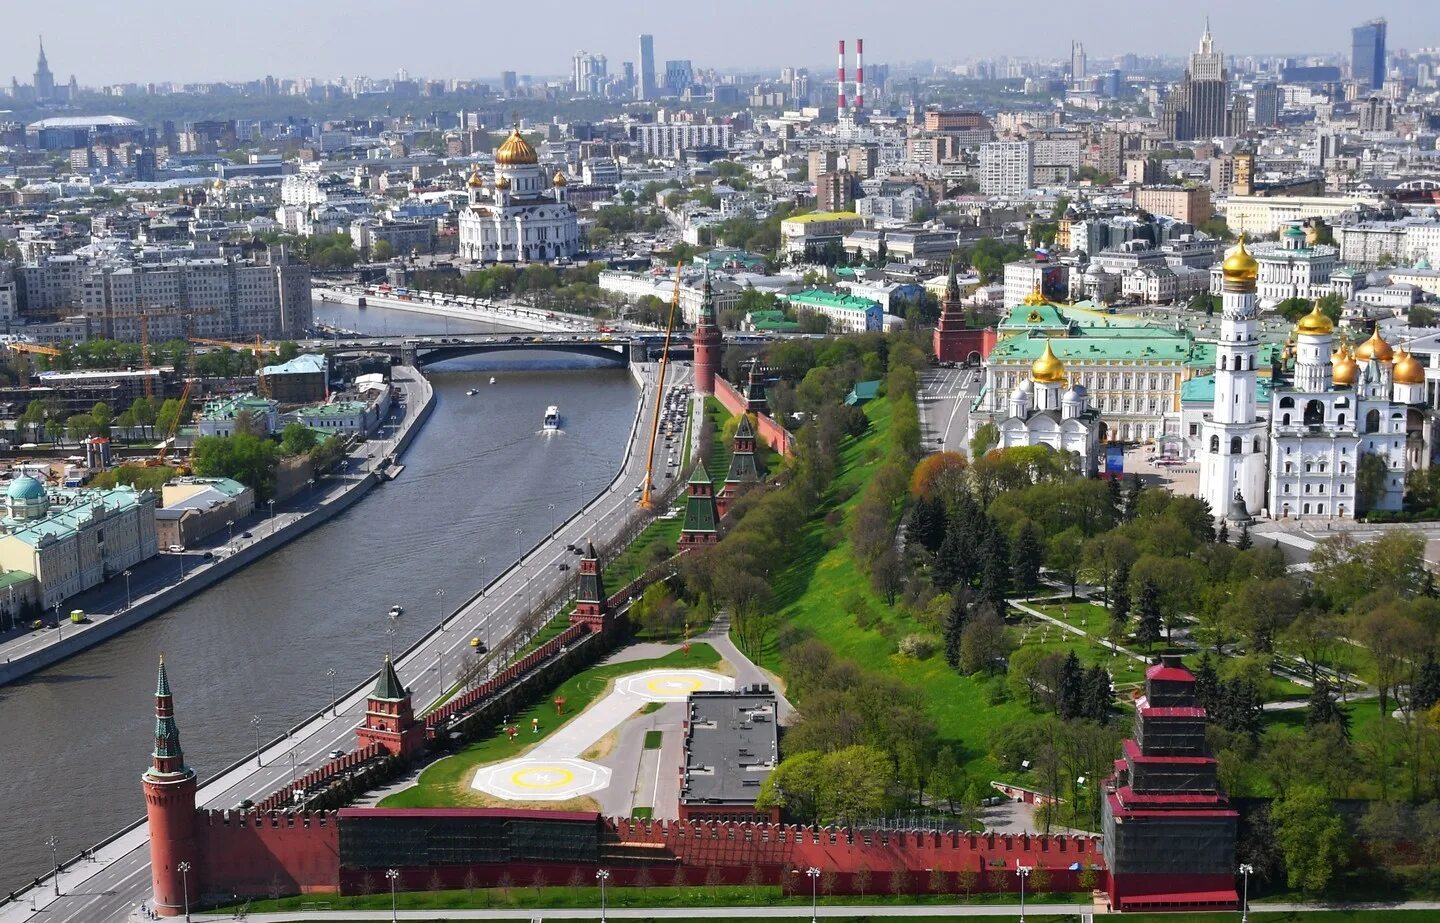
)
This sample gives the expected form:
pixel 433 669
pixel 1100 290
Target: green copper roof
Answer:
pixel 167 738
pixel 1156 346
pixel 698 476
pixel 1202 390
pixel 742 469
pixel 700 508
pixel 388 689
pixel 743 430
pixel 162 682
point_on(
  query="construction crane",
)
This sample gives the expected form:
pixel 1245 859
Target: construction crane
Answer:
pixel 163 452
pixel 144 319
pixel 20 346
pixel 660 392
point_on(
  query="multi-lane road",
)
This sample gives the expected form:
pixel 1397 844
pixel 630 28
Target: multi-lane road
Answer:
pixel 112 885
pixel 945 397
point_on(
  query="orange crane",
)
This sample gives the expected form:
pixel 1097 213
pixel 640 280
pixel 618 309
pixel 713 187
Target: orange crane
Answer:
pixel 33 349
pixel 163 452
pixel 660 392
pixel 144 319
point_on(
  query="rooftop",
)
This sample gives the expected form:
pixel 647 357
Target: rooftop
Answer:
pixel 308 364
pixel 731 745
pixel 824 216
pixel 821 298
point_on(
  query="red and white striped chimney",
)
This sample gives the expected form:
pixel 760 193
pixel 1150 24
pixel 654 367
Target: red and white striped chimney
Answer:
pixel 860 74
pixel 840 76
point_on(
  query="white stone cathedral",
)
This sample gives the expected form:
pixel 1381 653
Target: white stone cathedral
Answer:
pixel 1046 410
pixel 1336 407
pixel 525 217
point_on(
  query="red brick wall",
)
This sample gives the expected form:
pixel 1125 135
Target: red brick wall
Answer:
pixel 770 432
pixel 258 855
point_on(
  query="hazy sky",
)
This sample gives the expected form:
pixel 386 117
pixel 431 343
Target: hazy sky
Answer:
pixel 152 40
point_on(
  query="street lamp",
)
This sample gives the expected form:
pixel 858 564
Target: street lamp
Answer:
pixel 58 627
pixel 482 576
pixel 440 601
pixel 126 574
pixel 334 706
pixel 255 723
pixel 54 845
pixel 602 876
pixel 184 868
pixel 1024 872
pixel 551 508
pixel 1245 871
pixel 271 504
pixel 393 874
pixel 814 875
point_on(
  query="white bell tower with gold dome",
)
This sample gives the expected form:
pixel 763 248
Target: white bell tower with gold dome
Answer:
pixel 1233 437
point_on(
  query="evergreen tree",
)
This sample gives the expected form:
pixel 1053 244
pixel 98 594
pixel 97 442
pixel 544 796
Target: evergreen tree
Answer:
pixel 1151 622
pixel 995 570
pixel 955 629
pixel 1132 497
pixel 1097 695
pixel 1223 536
pixel 1323 710
pixel 1426 691
pixel 1207 685
pixel 1070 690
pixel 947 570
pixel 1026 557
pixel 1241 709
pixel 1120 601
pixel 1117 499
pixel 927 523
pixel 1244 542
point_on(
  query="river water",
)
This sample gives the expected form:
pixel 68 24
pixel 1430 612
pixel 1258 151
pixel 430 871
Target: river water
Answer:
pixel 77 736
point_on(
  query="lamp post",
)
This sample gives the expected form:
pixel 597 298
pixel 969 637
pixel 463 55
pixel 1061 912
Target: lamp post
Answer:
pixel 54 845
pixel 61 628
pixel 334 706
pixel 393 874
pixel 126 574
pixel 294 771
pixel 550 507
pixel 814 875
pixel 231 524
pixel 255 723
pixel 1245 870
pixel 184 868
pixel 1024 872
pixel 440 601
pixel 602 876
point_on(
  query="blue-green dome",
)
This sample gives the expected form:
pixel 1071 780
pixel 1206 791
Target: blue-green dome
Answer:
pixel 1294 231
pixel 25 488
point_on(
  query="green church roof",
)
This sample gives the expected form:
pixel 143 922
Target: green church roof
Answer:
pixel 389 687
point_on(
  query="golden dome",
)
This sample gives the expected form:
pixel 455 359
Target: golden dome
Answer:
pixel 1315 324
pixel 218 185
pixel 1047 370
pixel 502 183
pixel 1035 298
pixel 475 182
pixel 1408 370
pixel 1374 348
pixel 559 179
pixel 1343 370
pixel 1240 266
pixel 516 151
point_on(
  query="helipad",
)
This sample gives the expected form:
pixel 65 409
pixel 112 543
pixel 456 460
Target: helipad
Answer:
pixel 553 771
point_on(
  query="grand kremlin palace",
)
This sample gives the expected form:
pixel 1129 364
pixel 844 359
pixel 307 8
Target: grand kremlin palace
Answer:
pixel 1134 370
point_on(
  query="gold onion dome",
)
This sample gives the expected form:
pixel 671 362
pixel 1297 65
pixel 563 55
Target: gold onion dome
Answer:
pixel 502 183
pixel 475 182
pixel 1047 370
pixel 1240 266
pixel 1343 370
pixel 559 179
pixel 1035 298
pixel 1408 370
pixel 1315 324
pixel 516 151
pixel 1374 348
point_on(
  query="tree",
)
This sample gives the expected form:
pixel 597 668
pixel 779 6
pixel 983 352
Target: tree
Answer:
pixel 1310 836
pixel 954 629
pixel 242 457
pixel 1371 474
pixel 1064 555
pixel 984 644
pixel 1026 555
pixel 1147 632
pixel 1069 702
pixel 1324 710
pixel 382 251
pixel 987 436
pixel 298 439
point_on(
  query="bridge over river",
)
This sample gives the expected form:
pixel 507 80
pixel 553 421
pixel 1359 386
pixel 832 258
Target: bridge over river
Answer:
pixel 426 350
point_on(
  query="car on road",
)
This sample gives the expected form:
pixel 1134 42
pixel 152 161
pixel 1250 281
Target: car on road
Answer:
pixel 336 754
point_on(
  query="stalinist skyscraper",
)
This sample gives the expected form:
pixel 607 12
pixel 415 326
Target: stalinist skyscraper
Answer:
pixel 1233 437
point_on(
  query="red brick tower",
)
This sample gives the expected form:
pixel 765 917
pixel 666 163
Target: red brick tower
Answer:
pixel 590 599
pixel 170 806
pixel 707 342
pixel 389 717
pixel 954 341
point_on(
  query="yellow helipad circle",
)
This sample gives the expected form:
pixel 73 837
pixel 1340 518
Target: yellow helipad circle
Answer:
pixel 673 685
pixel 542 777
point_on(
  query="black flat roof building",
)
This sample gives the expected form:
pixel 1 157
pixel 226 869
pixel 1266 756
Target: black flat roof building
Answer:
pixel 732 744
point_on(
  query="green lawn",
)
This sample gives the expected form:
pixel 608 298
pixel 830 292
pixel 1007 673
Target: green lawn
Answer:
pixel 717 463
pixel 634 560
pixel 652 739
pixel 816 591
pixel 447 782
pixel 1050 638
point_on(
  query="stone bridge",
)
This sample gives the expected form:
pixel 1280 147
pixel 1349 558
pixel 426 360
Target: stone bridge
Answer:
pixel 424 350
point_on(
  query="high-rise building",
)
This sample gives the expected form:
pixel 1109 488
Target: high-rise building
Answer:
pixel 679 74
pixel 44 80
pixel 1237 120
pixel 1077 61
pixel 1267 105
pixel 590 73
pixel 508 82
pixel 1367 54
pixel 1006 167
pixel 1204 93
pixel 645 80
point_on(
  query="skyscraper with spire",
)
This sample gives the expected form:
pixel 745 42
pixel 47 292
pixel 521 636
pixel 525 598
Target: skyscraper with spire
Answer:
pixel 44 80
pixel 1203 96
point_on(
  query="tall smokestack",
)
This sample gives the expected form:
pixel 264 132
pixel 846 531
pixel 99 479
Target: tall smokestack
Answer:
pixel 860 74
pixel 840 77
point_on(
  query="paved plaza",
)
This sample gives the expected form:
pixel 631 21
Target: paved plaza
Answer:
pixel 555 771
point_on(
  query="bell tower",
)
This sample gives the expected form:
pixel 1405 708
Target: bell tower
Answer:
pixel 170 807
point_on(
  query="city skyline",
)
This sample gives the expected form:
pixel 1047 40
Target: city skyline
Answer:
pixel 749 35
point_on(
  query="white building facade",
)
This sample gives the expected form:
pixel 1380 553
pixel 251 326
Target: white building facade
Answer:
pixel 525 216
